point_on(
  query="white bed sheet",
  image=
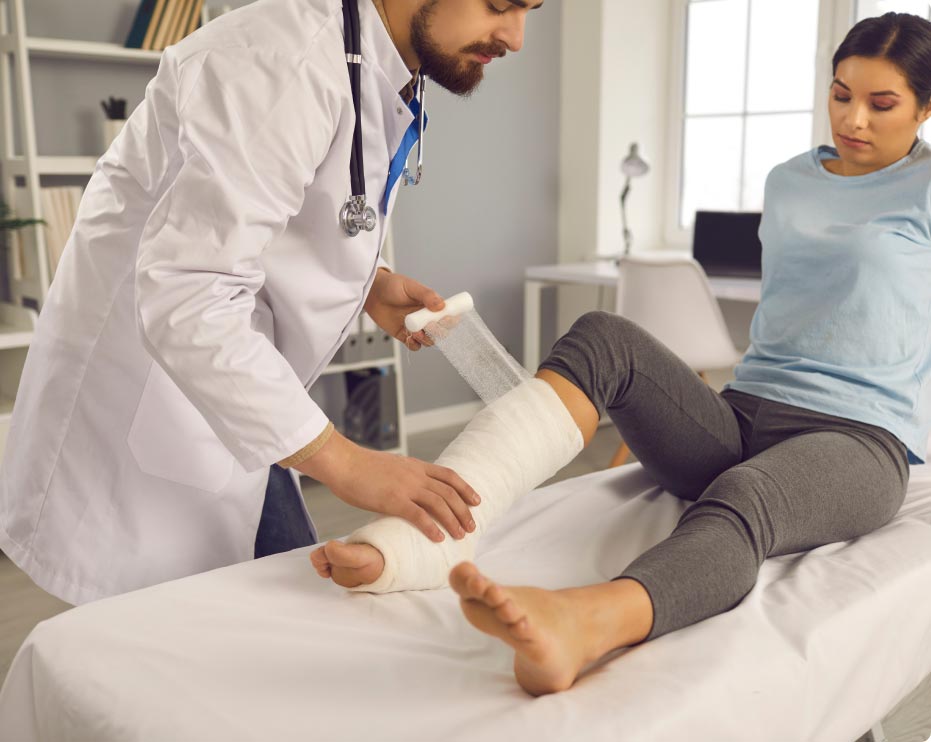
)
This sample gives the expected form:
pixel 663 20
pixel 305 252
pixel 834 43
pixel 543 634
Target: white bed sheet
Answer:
pixel 824 646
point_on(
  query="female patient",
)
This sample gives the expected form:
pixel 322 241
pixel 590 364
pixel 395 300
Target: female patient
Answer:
pixel 809 445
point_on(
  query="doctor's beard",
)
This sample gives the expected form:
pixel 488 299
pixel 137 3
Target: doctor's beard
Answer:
pixel 457 75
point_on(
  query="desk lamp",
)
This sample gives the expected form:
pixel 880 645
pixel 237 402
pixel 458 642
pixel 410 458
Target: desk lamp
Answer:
pixel 632 166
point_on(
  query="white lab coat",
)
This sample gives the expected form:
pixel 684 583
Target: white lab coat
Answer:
pixel 205 286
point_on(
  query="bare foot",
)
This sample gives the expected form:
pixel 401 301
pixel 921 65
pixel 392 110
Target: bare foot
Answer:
pixel 348 565
pixel 541 625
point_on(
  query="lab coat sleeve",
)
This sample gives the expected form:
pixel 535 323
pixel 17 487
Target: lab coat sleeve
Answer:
pixel 251 132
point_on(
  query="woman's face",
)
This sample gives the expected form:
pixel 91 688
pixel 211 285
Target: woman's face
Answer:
pixel 874 114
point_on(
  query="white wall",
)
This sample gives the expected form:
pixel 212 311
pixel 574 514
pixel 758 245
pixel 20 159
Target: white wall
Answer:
pixel 615 90
pixel 636 53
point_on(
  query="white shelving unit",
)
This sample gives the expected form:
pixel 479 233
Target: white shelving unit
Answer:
pixel 21 173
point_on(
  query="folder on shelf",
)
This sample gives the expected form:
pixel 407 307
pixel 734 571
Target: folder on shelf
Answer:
pixel 141 24
pixel 154 23
pixel 376 343
pixel 351 349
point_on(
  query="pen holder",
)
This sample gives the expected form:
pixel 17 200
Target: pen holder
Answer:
pixel 111 130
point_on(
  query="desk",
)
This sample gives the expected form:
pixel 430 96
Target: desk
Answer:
pixel 601 273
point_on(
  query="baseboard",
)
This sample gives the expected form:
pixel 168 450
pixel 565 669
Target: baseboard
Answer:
pixel 441 417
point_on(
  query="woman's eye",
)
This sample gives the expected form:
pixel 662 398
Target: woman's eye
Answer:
pixel 883 108
pixel 496 10
pixel 839 99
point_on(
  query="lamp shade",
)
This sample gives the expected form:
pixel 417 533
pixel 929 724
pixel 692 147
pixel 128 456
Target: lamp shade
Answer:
pixel 633 166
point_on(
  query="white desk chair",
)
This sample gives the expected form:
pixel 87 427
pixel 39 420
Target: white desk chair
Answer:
pixel 669 296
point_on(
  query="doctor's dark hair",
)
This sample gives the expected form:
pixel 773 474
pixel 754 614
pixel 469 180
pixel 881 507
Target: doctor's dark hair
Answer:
pixel 902 38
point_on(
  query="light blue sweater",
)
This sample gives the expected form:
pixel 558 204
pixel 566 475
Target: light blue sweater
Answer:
pixel 844 324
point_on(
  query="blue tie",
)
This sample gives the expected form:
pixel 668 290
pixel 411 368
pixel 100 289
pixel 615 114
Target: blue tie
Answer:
pixel 400 158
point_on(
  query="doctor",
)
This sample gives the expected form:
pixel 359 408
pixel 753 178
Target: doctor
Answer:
pixel 206 285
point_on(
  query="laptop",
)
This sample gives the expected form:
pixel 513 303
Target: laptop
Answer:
pixel 727 243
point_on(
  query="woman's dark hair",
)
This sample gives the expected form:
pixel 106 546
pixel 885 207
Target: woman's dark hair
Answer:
pixel 903 39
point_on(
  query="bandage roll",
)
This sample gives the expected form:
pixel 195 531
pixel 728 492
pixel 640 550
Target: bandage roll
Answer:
pixel 509 448
pixel 454 306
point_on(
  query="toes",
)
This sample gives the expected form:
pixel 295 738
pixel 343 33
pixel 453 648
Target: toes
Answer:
pixel 320 562
pixel 508 612
pixel 495 596
pixel 520 629
pixel 348 556
pixel 347 578
pixel 476 587
pixel 460 576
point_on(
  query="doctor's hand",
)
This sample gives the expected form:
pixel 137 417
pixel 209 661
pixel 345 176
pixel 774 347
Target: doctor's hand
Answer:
pixel 414 490
pixel 392 298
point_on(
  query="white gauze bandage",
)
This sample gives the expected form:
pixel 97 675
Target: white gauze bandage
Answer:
pixel 513 445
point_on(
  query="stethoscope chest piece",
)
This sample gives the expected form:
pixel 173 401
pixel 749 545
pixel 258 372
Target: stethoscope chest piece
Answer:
pixel 356 216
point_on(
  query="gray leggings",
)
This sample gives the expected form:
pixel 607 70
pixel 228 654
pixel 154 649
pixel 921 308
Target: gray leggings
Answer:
pixel 766 478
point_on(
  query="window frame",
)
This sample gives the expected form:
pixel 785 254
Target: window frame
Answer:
pixel 835 18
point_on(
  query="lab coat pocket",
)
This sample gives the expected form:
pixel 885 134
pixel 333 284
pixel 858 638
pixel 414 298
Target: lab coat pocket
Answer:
pixel 170 439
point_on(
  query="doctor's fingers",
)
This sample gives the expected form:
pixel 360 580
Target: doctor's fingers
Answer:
pixel 415 341
pixel 451 478
pixel 455 503
pixel 424 339
pixel 417 517
pixel 441 511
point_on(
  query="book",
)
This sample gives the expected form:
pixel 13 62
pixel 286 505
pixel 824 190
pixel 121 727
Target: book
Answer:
pixel 140 25
pixel 167 24
pixel 182 31
pixel 196 13
pixel 59 210
pixel 154 22
pixel 179 20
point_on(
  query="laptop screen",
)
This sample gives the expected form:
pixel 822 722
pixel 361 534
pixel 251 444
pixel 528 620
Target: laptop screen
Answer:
pixel 727 243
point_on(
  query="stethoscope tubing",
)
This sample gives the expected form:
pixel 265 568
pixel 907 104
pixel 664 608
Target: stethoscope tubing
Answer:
pixel 353 46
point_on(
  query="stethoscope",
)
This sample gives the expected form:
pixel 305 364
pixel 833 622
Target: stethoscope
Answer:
pixel 356 215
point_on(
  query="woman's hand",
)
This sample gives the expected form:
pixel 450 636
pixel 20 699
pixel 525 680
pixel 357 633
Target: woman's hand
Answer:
pixel 392 298
pixel 414 490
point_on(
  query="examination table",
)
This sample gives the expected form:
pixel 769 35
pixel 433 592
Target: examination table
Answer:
pixel 823 647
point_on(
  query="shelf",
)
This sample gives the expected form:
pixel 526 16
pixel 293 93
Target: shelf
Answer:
pixel 14 337
pixel 54 165
pixel 6 409
pixel 16 327
pixel 88 50
pixel 339 368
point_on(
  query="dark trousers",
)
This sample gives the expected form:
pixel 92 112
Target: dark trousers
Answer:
pixel 766 478
pixel 284 524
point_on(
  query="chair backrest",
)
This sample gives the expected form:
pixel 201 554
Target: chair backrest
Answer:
pixel 669 296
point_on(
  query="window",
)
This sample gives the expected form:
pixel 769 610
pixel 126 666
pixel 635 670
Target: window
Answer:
pixel 869 8
pixel 744 104
pixel 748 104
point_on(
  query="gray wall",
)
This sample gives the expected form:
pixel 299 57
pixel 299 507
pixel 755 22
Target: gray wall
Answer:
pixel 486 209
pixel 488 204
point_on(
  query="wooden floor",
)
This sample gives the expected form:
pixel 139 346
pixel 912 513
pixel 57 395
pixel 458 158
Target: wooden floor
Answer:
pixel 22 605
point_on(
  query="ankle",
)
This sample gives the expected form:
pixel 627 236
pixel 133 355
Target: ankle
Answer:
pixel 610 615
